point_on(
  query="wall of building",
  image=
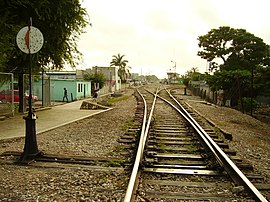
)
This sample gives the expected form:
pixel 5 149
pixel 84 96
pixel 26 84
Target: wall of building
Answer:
pixel 83 89
pixel 76 89
pixel 113 81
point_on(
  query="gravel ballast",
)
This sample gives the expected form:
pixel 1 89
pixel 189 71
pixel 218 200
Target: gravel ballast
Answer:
pixel 97 136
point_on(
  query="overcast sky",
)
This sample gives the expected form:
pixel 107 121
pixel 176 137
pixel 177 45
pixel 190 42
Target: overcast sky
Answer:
pixel 152 33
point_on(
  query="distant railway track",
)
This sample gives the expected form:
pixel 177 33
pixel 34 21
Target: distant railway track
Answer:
pixel 179 159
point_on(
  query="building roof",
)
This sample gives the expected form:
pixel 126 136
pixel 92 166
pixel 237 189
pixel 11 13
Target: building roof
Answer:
pixel 61 72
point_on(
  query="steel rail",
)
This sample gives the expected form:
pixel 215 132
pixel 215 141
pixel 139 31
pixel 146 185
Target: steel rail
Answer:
pixel 238 177
pixel 139 155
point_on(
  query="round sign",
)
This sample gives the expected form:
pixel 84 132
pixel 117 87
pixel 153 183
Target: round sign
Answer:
pixel 29 39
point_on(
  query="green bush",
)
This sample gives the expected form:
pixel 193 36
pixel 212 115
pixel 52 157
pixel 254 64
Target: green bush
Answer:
pixel 247 104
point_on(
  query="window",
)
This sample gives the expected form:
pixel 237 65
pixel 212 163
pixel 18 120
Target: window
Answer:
pixel 79 87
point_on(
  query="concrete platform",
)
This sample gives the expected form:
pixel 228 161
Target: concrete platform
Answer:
pixel 46 119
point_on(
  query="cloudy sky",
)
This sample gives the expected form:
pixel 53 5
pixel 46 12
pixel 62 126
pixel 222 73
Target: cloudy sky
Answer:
pixel 153 33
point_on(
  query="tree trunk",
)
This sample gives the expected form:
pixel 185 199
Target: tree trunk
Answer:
pixel 240 95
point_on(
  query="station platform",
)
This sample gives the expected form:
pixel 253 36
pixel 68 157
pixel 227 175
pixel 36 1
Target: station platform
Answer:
pixel 47 119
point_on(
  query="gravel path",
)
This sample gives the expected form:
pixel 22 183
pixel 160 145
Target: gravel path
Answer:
pixel 97 136
pixel 92 137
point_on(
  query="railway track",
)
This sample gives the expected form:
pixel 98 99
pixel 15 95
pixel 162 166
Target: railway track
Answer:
pixel 172 162
pixel 179 159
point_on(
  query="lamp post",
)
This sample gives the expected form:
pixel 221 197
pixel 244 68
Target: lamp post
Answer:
pixel 30 40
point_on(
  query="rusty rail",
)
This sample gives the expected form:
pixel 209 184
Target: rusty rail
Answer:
pixel 132 182
pixel 237 176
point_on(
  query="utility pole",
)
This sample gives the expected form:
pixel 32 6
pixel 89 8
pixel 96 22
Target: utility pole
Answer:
pixel 174 68
pixel 251 93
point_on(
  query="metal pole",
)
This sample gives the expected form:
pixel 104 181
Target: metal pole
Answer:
pixel 30 147
pixel 42 87
pixel 174 67
pixel 12 90
pixel 30 111
pixel 251 93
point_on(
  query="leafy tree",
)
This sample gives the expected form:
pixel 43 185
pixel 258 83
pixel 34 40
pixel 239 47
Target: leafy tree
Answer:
pixel 98 78
pixel 123 71
pixel 61 23
pixel 192 75
pixel 194 69
pixel 232 82
pixel 235 47
pixel 244 59
pixel 227 79
pixel 262 80
pixel 152 78
pixel 216 44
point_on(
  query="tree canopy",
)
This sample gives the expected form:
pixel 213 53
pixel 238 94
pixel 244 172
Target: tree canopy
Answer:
pixel 96 78
pixel 236 48
pixel 61 22
pixel 192 75
pixel 123 71
pixel 238 58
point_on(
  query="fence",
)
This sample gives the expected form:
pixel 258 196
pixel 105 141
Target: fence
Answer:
pixel 46 91
pixel 201 89
pixel 7 95
pixel 42 89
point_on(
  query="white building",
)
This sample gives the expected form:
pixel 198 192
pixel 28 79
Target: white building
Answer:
pixel 113 81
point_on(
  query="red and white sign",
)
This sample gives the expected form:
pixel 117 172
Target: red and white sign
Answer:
pixel 30 40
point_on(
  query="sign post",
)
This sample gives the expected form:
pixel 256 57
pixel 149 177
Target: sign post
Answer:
pixel 30 40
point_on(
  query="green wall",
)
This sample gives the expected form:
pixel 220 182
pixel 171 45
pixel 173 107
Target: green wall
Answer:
pixel 78 89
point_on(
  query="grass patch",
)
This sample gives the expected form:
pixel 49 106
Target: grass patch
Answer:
pixel 156 118
pixel 128 124
pixel 192 149
pixel 161 147
pixel 117 99
pixel 117 149
pixel 112 163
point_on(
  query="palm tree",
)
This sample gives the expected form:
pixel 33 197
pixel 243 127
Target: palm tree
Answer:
pixel 194 69
pixel 123 71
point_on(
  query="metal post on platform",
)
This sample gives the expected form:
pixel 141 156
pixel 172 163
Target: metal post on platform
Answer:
pixel 30 40
pixel 42 88
pixel 30 147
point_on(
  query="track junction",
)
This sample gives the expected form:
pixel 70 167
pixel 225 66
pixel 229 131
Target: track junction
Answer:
pixel 181 159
